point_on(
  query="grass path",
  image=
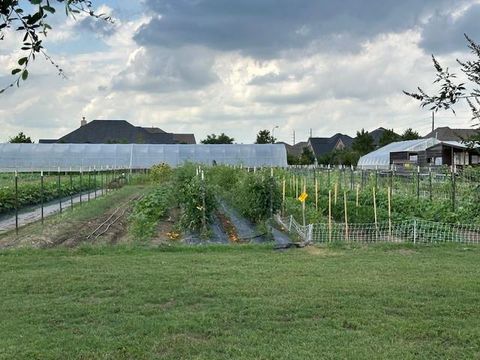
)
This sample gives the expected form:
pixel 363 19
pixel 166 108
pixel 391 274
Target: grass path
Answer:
pixel 240 302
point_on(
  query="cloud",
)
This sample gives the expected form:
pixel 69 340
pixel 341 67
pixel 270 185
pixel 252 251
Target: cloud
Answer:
pixel 99 27
pixel 164 70
pixel 266 28
pixel 444 33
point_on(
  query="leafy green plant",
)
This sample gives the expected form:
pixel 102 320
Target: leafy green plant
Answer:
pixel 197 201
pixel 161 173
pixel 149 210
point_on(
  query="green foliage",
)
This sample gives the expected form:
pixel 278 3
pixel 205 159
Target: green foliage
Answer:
pixel 220 139
pixel 363 142
pixel 149 210
pixel 307 157
pixel 346 157
pixel 264 137
pixel 257 196
pixel 197 201
pixel 388 137
pixel 20 138
pixel 410 134
pixel 161 173
pixel 29 19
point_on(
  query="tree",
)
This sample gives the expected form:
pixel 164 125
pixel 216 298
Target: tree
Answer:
pixel 29 18
pixel 220 139
pixel 346 157
pixel 410 134
pixel 388 137
pixel 363 142
pixel 451 91
pixel 264 137
pixel 307 157
pixel 20 138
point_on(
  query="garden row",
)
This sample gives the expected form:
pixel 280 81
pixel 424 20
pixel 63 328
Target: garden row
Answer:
pixel 197 193
pixel 33 189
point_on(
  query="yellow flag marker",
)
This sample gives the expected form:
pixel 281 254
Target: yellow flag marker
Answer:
pixel 303 196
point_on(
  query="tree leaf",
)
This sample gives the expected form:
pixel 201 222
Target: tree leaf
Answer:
pixel 23 60
pixel 25 75
pixel 16 71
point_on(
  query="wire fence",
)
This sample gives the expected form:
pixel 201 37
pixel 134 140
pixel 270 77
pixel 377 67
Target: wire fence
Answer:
pixel 409 231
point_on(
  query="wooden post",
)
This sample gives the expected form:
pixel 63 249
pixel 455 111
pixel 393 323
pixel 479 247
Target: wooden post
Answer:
pixel 16 201
pixel 303 204
pixel 42 194
pixel 316 194
pixel 357 202
pixel 296 187
pixel 375 208
pixel 330 215
pixel 336 193
pixel 346 215
pixel 389 212
pixel 283 195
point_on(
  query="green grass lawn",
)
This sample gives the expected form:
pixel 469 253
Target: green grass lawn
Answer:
pixel 245 302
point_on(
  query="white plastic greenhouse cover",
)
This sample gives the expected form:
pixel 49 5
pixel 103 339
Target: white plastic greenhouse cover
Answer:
pixel 74 157
pixel 380 158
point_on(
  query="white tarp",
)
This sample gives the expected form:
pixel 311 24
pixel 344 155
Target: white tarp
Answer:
pixel 380 158
pixel 37 157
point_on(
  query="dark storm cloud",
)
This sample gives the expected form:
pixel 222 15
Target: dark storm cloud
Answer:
pixel 443 33
pixel 266 27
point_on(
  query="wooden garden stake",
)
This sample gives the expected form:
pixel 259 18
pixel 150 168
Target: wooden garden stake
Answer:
pixel 316 194
pixel 375 208
pixel 336 193
pixel 330 215
pixel 303 204
pixel 389 213
pixel 283 195
pixel 357 203
pixel 346 214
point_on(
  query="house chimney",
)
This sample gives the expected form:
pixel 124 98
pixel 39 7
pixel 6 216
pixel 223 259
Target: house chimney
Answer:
pixel 83 122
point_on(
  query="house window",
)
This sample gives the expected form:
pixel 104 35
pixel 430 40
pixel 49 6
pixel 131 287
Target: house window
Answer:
pixel 413 158
pixel 438 161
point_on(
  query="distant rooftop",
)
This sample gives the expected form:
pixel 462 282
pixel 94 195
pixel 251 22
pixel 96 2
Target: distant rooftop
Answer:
pixel 120 132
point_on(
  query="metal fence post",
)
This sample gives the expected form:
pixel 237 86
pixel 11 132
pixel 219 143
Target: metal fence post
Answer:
pixel 81 185
pixel 71 190
pixel 89 183
pixel 59 190
pixel 95 182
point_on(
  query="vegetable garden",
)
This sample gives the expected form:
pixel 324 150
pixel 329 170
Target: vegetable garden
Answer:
pixel 341 204
pixel 241 204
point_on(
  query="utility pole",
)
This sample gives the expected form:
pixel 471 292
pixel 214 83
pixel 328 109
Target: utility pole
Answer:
pixel 433 121
pixel 311 132
pixel 293 137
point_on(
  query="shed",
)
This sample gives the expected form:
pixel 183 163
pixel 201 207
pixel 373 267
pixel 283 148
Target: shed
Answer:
pixel 399 153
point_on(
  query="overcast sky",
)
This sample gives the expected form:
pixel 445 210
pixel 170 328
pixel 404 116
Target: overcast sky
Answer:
pixel 212 66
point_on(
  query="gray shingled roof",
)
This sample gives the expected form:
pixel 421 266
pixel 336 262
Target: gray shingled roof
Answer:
pixel 120 131
pixel 184 138
pixel 447 134
pixel 322 146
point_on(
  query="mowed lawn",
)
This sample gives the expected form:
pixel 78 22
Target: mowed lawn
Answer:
pixel 245 302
